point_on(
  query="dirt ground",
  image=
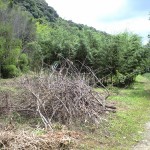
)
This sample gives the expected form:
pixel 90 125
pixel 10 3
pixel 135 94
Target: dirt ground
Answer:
pixel 145 143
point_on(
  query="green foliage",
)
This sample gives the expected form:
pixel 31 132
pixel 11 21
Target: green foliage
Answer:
pixel 116 59
pixel 83 53
pixel 107 54
pixel 35 56
pixel 146 62
pixel 10 71
pixel 15 33
pixel 130 56
pixel 23 63
pixel 38 8
pixel 43 31
pixel 9 52
pixel 55 41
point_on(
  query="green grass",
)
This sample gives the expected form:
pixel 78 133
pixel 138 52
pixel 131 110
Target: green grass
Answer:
pixel 125 127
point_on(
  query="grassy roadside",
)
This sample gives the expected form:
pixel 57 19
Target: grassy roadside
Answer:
pixel 126 126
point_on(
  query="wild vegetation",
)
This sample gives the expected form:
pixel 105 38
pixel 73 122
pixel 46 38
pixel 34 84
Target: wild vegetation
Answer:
pixel 58 74
pixel 35 42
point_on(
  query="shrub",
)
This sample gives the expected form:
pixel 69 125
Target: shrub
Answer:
pixel 23 63
pixel 10 71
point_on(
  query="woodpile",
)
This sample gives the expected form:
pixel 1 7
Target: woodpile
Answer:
pixel 65 96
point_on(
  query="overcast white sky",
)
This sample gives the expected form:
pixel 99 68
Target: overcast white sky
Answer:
pixel 112 16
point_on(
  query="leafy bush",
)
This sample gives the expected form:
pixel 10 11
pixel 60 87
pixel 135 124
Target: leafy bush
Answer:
pixel 23 63
pixel 10 71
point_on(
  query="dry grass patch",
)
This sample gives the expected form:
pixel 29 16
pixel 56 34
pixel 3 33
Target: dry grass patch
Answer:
pixel 27 140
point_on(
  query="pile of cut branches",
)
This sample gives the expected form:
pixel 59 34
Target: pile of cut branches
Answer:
pixel 64 95
pixel 30 141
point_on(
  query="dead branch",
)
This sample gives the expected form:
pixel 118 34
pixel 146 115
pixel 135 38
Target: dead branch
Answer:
pixel 65 96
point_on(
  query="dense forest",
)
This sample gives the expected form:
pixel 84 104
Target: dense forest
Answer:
pixel 33 36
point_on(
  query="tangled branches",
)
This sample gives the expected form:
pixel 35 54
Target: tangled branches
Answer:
pixel 29 140
pixel 65 96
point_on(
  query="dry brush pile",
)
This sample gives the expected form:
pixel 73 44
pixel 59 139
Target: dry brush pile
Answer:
pixel 26 140
pixel 65 96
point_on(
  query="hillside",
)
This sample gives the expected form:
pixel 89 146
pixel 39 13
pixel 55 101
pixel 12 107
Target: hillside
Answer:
pixel 38 8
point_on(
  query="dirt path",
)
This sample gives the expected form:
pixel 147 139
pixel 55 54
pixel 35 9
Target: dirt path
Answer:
pixel 145 143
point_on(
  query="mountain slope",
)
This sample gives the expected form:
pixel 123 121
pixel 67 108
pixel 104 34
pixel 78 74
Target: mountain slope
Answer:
pixel 38 8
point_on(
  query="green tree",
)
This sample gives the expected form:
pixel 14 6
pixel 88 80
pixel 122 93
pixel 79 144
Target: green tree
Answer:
pixel 14 34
